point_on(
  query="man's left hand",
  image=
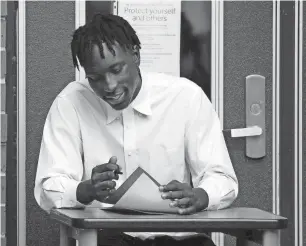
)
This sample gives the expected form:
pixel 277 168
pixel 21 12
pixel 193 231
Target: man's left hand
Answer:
pixel 189 200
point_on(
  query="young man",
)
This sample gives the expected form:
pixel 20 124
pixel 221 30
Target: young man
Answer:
pixel 120 118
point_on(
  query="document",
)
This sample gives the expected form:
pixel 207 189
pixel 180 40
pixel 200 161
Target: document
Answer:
pixel 139 193
pixel 158 26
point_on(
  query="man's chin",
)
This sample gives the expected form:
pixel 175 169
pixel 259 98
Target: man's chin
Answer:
pixel 119 106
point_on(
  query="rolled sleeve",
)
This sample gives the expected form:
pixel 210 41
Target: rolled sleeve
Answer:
pixel 213 192
pixel 221 194
pixel 60 165
pixel 60 192
pixel 207 155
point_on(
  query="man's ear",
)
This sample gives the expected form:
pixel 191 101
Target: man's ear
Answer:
pixel 136 55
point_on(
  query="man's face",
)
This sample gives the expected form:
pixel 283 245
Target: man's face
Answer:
pixel 116 78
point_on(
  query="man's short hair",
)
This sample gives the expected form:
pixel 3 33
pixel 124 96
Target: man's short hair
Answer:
pixel 106 29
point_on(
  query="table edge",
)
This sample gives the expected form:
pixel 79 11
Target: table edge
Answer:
pixel 278 223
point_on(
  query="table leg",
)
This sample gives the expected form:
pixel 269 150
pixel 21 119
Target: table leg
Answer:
pixel 271 238
pixel 65 240
pixel 243 242
pixel 88 238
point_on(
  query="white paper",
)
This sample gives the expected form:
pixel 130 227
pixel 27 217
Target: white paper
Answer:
pixel 158 26
pixel 144 195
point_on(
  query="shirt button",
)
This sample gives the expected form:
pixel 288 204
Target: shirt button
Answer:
pixel 118 118
pixel 130 153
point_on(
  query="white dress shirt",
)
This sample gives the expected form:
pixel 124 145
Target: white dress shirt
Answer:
pixel 171 130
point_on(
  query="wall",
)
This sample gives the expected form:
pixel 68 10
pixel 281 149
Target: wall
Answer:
pixel 49 27
pixel 3 122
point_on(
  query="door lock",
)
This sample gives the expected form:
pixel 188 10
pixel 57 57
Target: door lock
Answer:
pixel 255 118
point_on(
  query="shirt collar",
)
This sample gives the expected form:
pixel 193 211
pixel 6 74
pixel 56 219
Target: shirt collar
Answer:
pixel 110 113
pixel 141 103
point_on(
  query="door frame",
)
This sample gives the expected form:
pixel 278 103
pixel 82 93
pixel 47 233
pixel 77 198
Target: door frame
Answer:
pixel 80 20
pixel 217 75
pixel 290 96
pixel 216 65
pixel 21 123
pixel 300 23
pixel 16 183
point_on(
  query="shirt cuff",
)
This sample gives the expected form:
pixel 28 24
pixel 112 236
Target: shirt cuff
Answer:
pixel 213 194
pixel 62 192
pixel 69 198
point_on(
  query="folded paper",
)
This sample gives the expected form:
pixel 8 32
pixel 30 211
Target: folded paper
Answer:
pixel 140 193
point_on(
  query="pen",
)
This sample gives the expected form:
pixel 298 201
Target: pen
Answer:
pixel 117 172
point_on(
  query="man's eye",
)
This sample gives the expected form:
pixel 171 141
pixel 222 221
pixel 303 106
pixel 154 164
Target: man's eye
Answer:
pixel 117 69
pixel 92 79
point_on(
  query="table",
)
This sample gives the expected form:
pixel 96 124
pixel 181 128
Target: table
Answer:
pixel 247 224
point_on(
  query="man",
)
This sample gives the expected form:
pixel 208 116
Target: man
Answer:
pixel 120 118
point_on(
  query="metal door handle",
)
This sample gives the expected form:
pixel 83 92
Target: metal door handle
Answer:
pixel 255 131
pixel 244 132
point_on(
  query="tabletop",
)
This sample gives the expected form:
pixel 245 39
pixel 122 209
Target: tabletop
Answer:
pixel 230 218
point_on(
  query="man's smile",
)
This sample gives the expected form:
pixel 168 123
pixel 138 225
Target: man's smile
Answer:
pixel 115 99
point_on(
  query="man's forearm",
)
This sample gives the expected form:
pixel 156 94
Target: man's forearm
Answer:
pixel 85 192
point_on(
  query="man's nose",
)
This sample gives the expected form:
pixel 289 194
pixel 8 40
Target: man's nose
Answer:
pixel 110 83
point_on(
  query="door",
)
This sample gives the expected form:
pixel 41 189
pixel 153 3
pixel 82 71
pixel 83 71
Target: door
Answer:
pixel 264 38
pixel 246 39
pixel 240 41
pixel 248 50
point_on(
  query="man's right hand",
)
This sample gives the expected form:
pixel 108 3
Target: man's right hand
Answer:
pixel 101 184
